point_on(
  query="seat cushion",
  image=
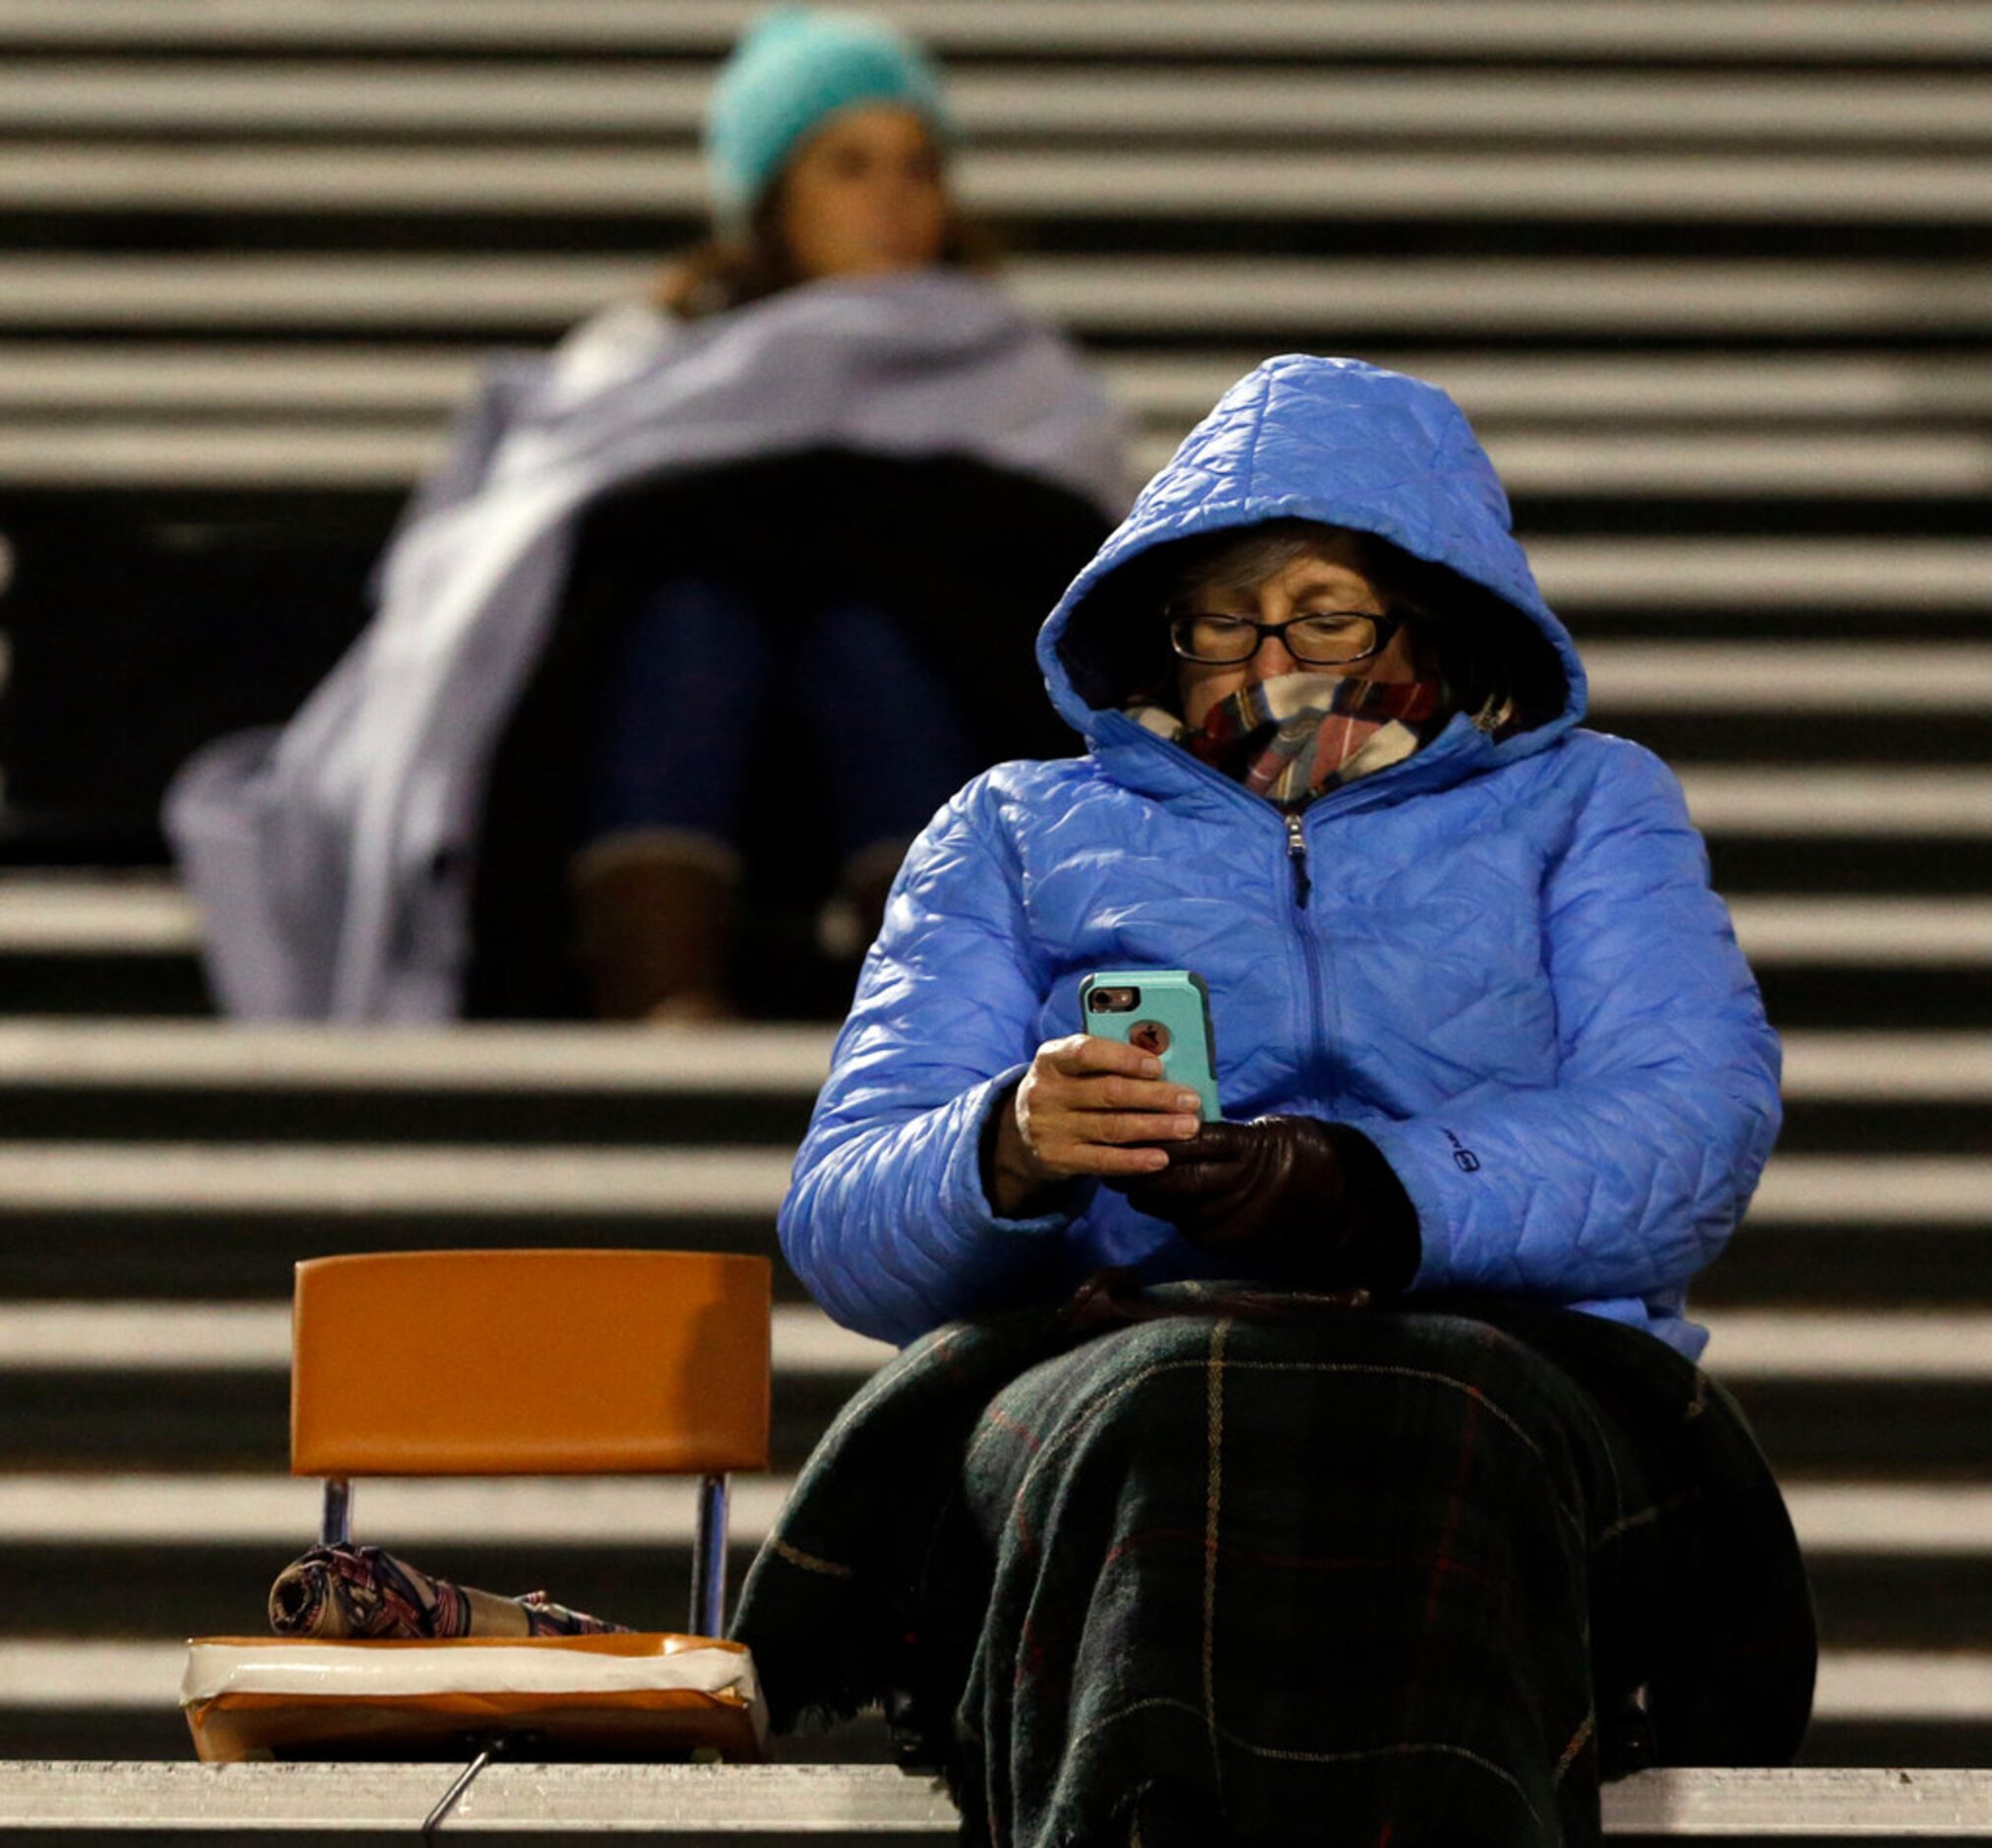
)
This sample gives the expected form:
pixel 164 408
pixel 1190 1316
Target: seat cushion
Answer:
pixel 641 1695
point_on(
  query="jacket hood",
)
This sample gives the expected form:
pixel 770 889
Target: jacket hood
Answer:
pixel 1346 444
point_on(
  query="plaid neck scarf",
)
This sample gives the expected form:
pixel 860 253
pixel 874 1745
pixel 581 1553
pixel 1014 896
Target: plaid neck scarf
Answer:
pixel 1297 736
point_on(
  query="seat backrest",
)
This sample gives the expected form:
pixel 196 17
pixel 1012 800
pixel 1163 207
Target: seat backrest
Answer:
pixel 523 1362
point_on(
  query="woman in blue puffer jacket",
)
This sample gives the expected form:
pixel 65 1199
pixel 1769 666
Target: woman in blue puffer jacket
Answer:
pixel 1322 1516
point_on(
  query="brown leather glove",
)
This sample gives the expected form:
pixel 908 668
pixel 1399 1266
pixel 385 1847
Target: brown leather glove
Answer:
pixel 1315 1200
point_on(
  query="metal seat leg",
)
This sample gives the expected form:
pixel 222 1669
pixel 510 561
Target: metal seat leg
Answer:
pixel 335 1525
pixel 709 1559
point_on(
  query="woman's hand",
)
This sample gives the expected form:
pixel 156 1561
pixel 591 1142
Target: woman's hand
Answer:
pixel 1089 1106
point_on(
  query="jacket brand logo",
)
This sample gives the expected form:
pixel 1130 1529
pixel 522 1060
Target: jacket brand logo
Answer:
pixel 1464 1158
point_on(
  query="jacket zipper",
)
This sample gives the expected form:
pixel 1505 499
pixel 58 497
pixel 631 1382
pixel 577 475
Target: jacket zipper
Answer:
pixel 1303 889
pixel 1296 855
pixel 1310 950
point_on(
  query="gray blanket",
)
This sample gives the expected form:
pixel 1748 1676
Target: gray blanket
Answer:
pixel 332 859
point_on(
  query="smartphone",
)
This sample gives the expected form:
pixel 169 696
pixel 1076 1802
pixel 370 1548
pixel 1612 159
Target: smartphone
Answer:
pixel 1165 1012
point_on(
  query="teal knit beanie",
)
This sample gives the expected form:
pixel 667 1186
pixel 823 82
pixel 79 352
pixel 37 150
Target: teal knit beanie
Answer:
pixel 793 69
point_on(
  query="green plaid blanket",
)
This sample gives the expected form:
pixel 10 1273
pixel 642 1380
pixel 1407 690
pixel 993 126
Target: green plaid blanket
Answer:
pixel 1195 1566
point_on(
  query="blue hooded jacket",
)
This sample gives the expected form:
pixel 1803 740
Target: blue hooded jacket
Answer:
pixel 1505 967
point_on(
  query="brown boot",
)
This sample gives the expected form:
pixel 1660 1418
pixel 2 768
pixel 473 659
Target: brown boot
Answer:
pixel 653 923
pixel 857 912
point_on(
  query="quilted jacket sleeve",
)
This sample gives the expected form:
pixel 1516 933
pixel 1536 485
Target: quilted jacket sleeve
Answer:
pixel 886 1221
pixel 1626 1176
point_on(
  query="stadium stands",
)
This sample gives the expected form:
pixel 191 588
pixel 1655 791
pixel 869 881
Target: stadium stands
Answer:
pixel 1710 279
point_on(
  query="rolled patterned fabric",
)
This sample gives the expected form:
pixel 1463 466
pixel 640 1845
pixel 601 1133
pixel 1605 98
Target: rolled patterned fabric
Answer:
pixel 336 1593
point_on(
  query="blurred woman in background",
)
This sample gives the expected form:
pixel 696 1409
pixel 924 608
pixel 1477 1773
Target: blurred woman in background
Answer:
pixel 703 615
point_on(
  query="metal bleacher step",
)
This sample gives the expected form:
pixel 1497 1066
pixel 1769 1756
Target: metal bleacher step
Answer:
pixel 489 1068
pixel 1930 1687
pixel 98 1576
pixel 668 186
pixel 1155 384
pixel 207 1219
pixel 1877 466
pixel 103 1600
pixel 1795 32
pixel 202 1161
pixel 1788 844
pixel 845 1806
pixel 1888 1395
pixel 168 1561
pixel 662 101
pixel 214 1183
pixel 67 1339
pixel 472 1085
pixel 136 1090
pixel 1157 298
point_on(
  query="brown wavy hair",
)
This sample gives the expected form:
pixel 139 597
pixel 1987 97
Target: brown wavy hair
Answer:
pixel 725 272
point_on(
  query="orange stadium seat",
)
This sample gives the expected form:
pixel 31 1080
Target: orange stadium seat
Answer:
pixel 512 1363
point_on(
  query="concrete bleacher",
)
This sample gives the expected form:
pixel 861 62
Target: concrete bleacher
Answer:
pixel 846 1806
pixel 144 1498
pixel 254 254
pixel 1712 278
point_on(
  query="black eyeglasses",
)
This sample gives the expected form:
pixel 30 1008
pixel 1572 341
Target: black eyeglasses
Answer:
pixel 1329 639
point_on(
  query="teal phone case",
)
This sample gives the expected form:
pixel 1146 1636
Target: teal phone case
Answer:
pixel 1173 1007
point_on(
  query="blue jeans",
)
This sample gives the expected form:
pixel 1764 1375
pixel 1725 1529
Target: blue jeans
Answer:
pixel 700 681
